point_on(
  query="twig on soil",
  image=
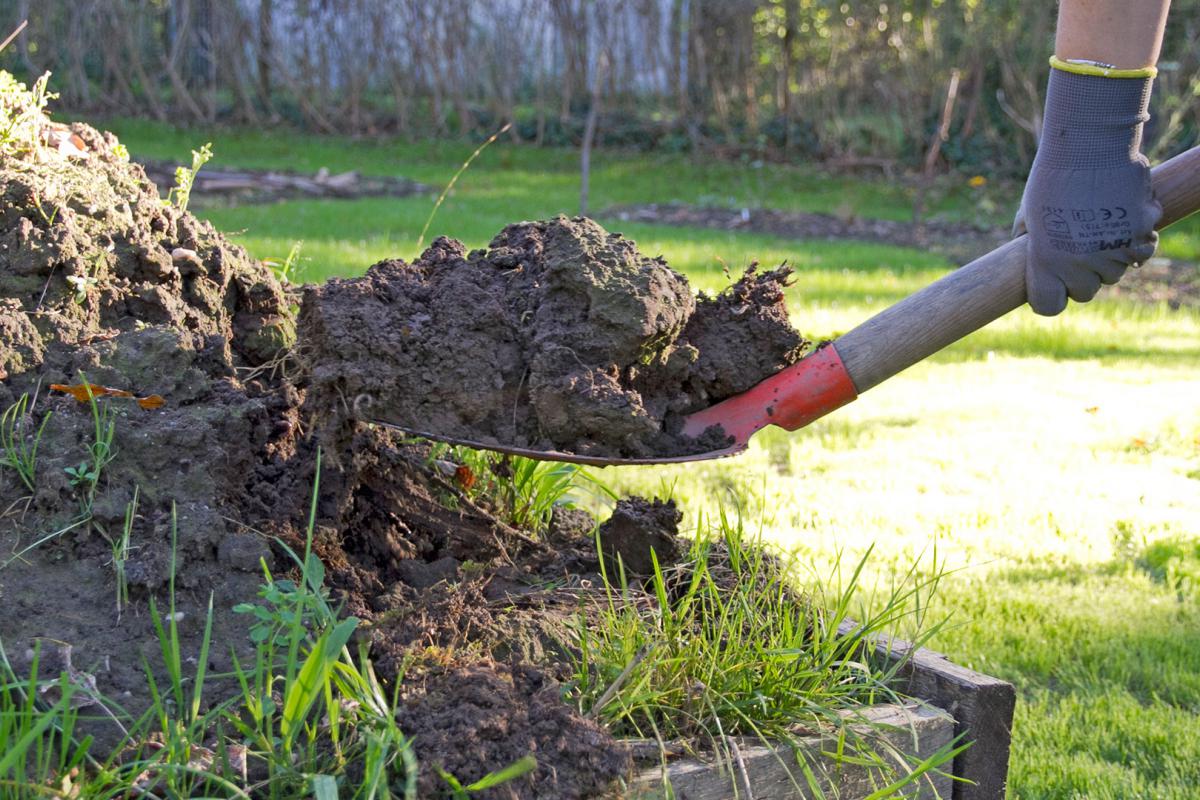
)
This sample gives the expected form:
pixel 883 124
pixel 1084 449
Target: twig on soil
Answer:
pixel 27 499
pixel 469 503
pixel 517 397
pixel 49 278
pixel 616 685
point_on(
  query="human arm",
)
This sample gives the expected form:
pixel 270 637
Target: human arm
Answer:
pixel 1088 205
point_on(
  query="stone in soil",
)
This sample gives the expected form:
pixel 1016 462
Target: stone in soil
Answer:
pixel 559 335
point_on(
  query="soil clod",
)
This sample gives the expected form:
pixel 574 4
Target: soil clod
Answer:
pixel 560 335
pixel 638 528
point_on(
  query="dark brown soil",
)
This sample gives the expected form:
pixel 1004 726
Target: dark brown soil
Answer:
pixel 98 278
pixel 637 528
pixel 960 242
pixel 89 286
pixel 461 718
pixel 559 336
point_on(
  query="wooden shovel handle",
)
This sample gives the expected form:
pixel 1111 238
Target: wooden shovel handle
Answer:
pixel 978 293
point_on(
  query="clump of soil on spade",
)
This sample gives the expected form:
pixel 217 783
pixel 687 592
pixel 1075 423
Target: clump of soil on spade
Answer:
pixel 558 336
pixel 102 283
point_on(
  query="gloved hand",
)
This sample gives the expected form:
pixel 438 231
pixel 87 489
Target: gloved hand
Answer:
pixel 1088 206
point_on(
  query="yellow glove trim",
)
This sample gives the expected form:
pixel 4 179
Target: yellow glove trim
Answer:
pixel 1100 70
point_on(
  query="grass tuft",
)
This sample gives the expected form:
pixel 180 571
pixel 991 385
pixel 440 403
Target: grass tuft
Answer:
pixel 20 448
pixel 726 645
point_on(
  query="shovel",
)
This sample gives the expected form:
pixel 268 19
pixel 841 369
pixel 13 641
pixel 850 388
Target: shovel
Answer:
pixel 893 340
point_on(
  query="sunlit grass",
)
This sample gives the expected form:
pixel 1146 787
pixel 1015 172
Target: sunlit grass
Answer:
pixel 1041 457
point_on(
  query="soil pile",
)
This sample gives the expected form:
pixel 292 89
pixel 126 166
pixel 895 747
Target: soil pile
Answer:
pixel 559 335
pixel 101 282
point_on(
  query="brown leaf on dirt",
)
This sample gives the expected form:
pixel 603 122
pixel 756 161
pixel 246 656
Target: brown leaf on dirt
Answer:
pixel 84 392
pixel 464 476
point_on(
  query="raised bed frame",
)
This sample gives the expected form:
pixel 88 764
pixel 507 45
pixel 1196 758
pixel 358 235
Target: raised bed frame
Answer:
pixel 954 701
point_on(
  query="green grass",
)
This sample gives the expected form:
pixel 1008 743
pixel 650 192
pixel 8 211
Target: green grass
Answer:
pixel 725 646
pixel 306 717
pixel 1045 458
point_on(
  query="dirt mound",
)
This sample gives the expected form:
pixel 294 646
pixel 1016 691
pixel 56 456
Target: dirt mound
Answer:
pixel 559 335
pixel 464 718
pixel 102 282
pixel 98 278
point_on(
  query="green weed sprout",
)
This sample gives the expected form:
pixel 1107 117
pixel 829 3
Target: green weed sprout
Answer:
pixel 522 766
pixel 524 490
pixel 536 487
pixel 185 178
pixel 120 552
pixel 22 113
pixel 283 269
pixel 20 450
pixel 86 475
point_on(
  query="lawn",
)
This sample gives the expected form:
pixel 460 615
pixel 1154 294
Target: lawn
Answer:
pixel 1052 464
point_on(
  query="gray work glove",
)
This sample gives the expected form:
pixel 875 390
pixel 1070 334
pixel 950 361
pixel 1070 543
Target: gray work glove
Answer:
pixel 1088 206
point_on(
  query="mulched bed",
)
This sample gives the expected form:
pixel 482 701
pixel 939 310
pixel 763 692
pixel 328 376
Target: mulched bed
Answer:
pixel 230 186
pixel 960 242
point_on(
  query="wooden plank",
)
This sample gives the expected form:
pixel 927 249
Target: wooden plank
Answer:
pixel 761 772
pixel 982 707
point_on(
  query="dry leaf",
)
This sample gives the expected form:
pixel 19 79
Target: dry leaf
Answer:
pixel 84 392
pixel 465 477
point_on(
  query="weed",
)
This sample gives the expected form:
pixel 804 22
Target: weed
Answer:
pixel 47 218
pixel 726 646
pixel 522 766
pixel 120 552
pixel 22 114
pixel 523 490
pixel 283 603
pixel 20 450
pixel 536 487
pixel 80 284
pixel 185 178
pixel 85 476
pixel 35 735
pixel 450 186
pixel 284 270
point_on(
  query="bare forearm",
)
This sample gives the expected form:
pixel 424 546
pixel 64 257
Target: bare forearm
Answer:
pixel 1125 33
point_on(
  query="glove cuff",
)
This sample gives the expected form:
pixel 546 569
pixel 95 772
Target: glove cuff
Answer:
pixel 1080 66
pixel 1094 122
